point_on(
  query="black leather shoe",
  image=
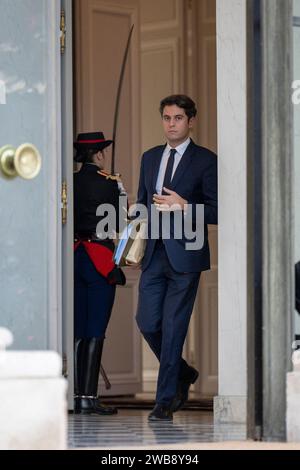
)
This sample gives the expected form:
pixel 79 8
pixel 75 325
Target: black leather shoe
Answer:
pixel 161 413
pixel 104 409
pixel 182 394
pixel 87 405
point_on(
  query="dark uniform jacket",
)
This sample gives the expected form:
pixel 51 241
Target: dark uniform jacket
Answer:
pixel 92 188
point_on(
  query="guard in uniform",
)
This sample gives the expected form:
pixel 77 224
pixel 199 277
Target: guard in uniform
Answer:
pixel 95 275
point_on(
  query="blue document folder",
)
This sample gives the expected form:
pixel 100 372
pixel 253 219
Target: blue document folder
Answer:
pixel 124 245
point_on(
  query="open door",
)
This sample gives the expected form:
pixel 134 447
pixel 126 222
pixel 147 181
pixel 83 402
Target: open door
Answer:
pixel 30 139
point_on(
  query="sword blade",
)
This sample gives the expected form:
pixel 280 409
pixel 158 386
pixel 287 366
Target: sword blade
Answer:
pixel 116 116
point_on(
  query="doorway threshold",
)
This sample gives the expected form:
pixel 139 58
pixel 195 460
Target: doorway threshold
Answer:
pixel 146 401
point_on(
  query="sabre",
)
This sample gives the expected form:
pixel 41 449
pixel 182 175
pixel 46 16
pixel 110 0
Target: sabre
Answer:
pixel 105 378
pixel 118 101
pixel 120 184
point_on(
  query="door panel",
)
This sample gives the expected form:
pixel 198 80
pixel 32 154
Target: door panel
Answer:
pixel 162 40
pixel 29 46
pixel 203 78
pixel 180 41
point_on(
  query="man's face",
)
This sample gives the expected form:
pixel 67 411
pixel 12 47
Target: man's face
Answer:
pixel 176 124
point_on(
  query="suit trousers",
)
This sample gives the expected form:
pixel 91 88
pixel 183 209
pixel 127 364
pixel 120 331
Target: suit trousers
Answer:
pixel 93 298
pixel 166 300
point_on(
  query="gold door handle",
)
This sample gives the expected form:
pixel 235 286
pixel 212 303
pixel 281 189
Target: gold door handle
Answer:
pixel 25 161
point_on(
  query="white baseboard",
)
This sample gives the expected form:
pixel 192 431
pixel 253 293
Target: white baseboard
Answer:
pixel 149 381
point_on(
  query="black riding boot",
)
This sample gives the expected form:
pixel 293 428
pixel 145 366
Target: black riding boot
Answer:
pixel 87 402
pixel 79 353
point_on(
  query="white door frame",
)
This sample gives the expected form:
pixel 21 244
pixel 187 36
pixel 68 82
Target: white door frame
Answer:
pixel 54 221
pixel 67 177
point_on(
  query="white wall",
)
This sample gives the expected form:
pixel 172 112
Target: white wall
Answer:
pixel 230 405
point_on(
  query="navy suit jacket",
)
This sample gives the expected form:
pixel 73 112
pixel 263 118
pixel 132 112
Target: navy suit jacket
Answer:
pixel 195 180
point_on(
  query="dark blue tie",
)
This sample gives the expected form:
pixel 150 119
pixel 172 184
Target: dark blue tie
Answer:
pixel 169 171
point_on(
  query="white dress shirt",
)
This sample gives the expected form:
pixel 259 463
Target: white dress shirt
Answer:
pixel 164 161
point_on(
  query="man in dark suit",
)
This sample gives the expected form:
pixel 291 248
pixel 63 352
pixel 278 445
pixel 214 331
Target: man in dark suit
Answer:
pixel 183 175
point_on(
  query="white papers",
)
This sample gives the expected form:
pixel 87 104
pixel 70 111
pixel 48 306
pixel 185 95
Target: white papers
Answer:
pixel 127 238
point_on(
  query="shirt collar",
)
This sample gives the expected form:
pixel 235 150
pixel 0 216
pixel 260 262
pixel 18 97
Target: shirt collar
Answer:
pixel 181 148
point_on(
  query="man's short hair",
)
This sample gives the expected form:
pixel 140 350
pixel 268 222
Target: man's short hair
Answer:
pixel 182 101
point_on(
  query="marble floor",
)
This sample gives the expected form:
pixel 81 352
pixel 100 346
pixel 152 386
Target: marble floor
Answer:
pixel 131 428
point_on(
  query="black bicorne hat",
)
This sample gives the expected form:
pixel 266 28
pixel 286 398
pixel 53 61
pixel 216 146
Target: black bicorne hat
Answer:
pixel 91 141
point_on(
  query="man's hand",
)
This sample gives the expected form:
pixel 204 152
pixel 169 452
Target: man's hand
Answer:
pixel 134 266
pixel 172 200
